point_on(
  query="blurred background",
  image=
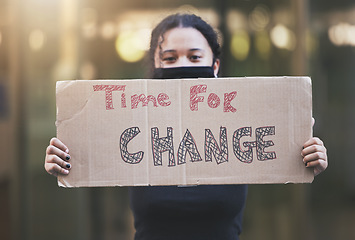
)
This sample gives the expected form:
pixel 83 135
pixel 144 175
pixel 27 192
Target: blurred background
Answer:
pixel 44 41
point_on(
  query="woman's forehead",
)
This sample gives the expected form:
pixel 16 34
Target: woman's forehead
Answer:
pixel 181 37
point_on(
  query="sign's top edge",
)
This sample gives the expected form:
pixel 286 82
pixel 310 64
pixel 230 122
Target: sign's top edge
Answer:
pixel 222 78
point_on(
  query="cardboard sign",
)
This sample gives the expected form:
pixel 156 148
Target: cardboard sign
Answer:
pixel 186 131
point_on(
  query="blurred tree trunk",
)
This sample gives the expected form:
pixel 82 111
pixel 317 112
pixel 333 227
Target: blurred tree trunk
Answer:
pixel 300 217
pixel 300 14
pixel 20 210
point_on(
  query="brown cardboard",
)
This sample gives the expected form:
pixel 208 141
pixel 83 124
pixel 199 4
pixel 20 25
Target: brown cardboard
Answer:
pixel 222 131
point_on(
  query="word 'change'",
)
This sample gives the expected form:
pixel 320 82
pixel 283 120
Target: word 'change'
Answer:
pixel 211 147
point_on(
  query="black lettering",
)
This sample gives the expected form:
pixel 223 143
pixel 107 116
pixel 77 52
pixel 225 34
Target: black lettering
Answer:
pixel 160 145
pixel 188 144
pixel 211 146
pixel 126 137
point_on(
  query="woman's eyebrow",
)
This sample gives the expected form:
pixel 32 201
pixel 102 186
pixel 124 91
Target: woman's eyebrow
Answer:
pixel 169 51
pixel 196 49
pixel 190 50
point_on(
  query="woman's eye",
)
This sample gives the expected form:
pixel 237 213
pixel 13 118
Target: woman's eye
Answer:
pixel 169 59
pixel 195 58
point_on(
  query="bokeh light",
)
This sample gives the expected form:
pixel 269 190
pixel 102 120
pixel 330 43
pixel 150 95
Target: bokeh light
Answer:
pixel 89 23
pixel 236 20
pixel 240 45
pixel 131 45
pixel 108 30
pixel 259 18
pixel 36 39
pixel 282 37
pixel 342 34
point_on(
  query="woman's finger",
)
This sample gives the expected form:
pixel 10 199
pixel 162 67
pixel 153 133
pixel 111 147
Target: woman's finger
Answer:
pixel 54 169
pixel 313 121
pixel 57 143
pixel 60 162
pixel 57 157
pixel 317 156
pixel 313 149
pixel 313 141
pixel 53 150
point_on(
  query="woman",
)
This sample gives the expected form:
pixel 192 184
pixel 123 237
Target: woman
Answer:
pixel 185 46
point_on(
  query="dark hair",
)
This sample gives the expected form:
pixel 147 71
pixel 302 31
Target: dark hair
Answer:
pixel 185 21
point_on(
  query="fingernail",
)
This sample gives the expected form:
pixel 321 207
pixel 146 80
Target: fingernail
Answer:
pixel 306 164
pixel 66 171
pixel 68 165
pixel 67 157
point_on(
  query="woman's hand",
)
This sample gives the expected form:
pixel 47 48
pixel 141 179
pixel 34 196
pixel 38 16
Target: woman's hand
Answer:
pixel 315 155
pixel 57 157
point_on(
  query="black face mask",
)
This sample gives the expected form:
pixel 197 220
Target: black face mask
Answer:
pixel 183 72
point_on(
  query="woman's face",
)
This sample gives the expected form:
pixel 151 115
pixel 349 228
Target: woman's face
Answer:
pixel 184 47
